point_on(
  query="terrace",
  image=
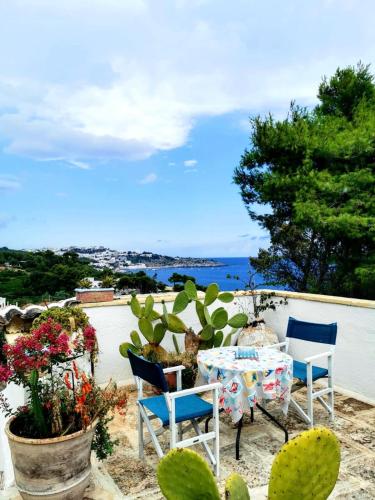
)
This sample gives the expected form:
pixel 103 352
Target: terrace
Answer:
pixel 123 475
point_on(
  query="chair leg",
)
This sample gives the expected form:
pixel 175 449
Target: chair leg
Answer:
pixel 332 402
pixel 140 435
pixel 152 433
pixel 179 432
pixel 300 411
pixel 310 408
pixel 330 385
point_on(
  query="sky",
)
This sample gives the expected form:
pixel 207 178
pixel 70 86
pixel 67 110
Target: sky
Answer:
pixel 121 121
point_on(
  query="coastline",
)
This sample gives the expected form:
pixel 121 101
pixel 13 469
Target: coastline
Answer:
pixel 178 266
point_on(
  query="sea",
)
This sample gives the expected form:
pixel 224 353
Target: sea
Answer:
pixel 232 275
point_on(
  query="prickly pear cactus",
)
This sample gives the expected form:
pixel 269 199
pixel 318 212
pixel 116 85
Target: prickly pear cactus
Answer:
pixel 212 323
pixel 306 467
pixel 185 475
pixel 236 488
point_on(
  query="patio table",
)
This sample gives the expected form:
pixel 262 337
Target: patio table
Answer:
pixel 264 374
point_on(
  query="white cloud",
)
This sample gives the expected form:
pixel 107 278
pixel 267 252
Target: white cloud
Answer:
pixel 97 90
pixel 149 179
pixel 9 183
pixel 79 164
pixel 171 164
pixel 190 171
pixel 190 163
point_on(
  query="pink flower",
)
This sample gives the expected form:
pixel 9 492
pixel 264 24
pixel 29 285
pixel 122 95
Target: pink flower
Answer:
pixel 5 373
pixel 89 335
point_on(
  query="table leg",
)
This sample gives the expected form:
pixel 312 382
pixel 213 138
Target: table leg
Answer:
pixel 271 417
pixel 239 428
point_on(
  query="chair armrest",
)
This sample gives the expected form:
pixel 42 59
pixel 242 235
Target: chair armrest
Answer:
pixel 317 356
pixel 279 344
pixel 195 390
pixel 172 369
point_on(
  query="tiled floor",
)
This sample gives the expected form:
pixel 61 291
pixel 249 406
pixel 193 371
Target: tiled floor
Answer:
pixel 260 441
pixel 354 426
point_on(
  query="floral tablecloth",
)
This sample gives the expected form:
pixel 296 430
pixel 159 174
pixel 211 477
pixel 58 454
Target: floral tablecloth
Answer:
pixel 267 376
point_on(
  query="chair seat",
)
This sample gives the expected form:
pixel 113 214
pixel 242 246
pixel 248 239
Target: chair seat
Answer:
pixel 187 407
pixel 300 371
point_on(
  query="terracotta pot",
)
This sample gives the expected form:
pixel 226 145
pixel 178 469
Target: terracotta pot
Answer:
pixel 54 469
pixel 171 381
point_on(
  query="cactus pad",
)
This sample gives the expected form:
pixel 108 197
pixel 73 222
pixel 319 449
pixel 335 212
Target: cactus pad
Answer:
pixel 306 467
pixel 236 488
pixel 185 475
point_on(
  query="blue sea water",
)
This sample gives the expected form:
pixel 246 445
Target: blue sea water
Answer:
pixel 234 266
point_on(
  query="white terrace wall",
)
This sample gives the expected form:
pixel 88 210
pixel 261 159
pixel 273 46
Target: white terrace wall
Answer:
pixel 355 351
pixel 114 321
pixel 354 366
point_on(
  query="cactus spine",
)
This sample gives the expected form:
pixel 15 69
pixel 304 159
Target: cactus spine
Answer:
pixel 306 467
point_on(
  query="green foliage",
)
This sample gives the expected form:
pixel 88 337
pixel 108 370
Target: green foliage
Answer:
pixel 151 331
pixel 70 318
pixel 236 488
pixel 178 280
pixel 36 404
pixel 184 475
pixel 345 91
pixel 175 343
pixel 140 282
pixel 306 467
pixel 108 281
pixel 34 276
pixel 315 170
pixel 181 302
pixel 103 444
pixel 175 324
pixel 84 283
pixel 211 334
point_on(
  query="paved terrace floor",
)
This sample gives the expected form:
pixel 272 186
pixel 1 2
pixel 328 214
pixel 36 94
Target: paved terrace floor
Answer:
pixel 125 476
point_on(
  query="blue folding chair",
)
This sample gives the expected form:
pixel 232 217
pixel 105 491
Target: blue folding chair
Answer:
pixel 305 371
pixel 174 408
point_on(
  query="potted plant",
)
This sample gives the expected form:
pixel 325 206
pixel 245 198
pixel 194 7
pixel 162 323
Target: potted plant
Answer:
pixel 255 332
pixel 189 375
pixel 153 325
pixel 212 324
pixel 65 415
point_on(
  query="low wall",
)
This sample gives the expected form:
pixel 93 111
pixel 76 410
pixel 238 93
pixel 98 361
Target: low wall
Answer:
pixel 354 362
pixel 114 322
pixel 355 350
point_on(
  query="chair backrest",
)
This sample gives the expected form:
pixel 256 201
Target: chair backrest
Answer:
pixel 151 372
pixel 312 332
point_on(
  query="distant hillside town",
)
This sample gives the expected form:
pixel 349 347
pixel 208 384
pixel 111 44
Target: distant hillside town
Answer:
pixel 122 261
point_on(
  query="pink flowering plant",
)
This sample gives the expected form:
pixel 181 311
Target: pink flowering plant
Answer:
pixel 61 398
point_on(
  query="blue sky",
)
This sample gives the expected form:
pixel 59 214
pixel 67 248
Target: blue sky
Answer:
pixel 121 121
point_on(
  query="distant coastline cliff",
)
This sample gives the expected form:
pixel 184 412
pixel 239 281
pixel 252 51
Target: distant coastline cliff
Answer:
pixel 123 261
